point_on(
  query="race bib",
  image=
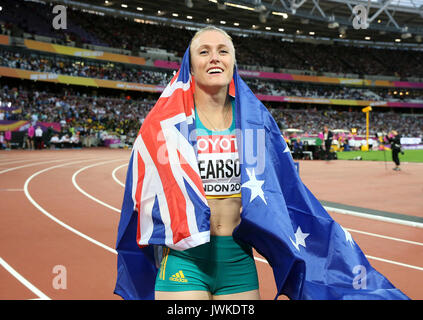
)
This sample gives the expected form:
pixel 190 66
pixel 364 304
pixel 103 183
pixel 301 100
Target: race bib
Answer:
pixel 218 163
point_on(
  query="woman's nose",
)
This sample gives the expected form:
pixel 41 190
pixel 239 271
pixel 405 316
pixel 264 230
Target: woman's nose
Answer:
pixel 214 56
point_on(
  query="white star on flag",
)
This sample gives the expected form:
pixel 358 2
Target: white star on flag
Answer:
pixel 255 186
pixel 348 237
pixel 299 238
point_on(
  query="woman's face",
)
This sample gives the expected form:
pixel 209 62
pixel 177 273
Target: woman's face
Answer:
pixel 212 59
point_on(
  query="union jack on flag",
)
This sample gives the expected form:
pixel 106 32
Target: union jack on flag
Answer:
pixel 167 190
pixel 164 203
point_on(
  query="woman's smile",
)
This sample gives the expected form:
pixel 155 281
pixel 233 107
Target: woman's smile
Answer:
pixel 212 59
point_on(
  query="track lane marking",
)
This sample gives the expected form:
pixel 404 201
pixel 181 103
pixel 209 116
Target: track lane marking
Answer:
pixel 352 230
pixel 28 165
pixel 385 237
pixel 25 282
pixel 35 164
pixel 50 216
pixel 349 229
pixel 396 263
pixel 374 217
pixel 114 175
pixel 86 193
pixel 10 269
pixel 98 243
pixel 7 161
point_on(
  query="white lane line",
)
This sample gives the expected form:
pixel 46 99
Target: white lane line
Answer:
pixel 352 230
pixel 50 216
pixel 114 175
pixel 385 237
pixel 86 193
pixel 6 159
pixel 29 165
pixel 396 263
pixel 13 161
pixel 368 257
pixel 374 217
pixel 22 280
pixel 114 251
pixel 34 164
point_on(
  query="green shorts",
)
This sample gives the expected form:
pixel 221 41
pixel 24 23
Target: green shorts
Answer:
pixel 221 266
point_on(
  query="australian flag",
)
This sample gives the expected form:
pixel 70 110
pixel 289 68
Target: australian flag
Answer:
pixel 164 204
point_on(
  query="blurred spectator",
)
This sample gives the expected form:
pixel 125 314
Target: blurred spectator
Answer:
pixel 2 141
pixel 298 149
pixel 74 140
pixel 55 141
pixel 8 138
pixel 30 137
pixel 39 144
pixel 65 141
pixel 327 142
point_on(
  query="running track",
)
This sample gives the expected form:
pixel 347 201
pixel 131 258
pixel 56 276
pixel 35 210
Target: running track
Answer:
pixel 59 212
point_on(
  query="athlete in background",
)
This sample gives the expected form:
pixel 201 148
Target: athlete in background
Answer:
pixel 395 140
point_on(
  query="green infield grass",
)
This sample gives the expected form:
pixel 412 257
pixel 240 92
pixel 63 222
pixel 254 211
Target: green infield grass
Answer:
pixel 409 155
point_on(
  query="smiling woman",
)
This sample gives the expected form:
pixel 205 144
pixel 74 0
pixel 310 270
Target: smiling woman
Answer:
pixel 212 66
pixel 222 268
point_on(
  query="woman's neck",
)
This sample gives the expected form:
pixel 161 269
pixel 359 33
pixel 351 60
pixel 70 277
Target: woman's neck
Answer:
pixel 212 101
pixel 213 108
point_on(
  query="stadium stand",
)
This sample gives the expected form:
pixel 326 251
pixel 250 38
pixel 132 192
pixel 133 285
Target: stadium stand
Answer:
pixel 102 113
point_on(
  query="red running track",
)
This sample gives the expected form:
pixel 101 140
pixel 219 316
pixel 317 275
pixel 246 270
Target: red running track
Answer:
pixel 60 212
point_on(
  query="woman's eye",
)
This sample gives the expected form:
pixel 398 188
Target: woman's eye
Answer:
pixel 203 52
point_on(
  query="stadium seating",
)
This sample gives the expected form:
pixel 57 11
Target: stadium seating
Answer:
pixel 98 112
pixel 95 29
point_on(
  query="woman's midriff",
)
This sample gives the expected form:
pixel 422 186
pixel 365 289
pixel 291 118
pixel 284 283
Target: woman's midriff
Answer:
pixel 225 215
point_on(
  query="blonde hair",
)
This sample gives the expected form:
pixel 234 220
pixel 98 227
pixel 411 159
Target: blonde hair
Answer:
pixel 213 28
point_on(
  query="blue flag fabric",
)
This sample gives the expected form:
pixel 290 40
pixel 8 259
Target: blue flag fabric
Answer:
pixel 311 255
